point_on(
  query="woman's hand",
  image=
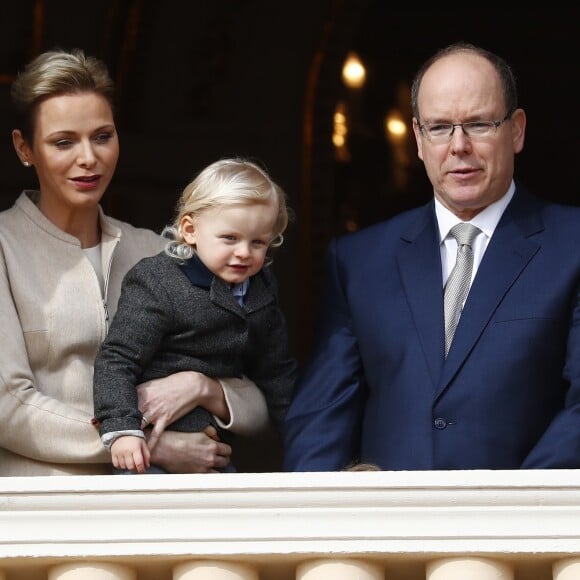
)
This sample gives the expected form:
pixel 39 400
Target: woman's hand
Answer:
pixel 165 400
pixel 179 452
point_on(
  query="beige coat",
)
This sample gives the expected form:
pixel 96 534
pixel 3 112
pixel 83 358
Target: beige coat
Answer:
pixel 53 320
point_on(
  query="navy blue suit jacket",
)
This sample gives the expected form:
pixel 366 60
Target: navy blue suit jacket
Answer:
pixel 378 388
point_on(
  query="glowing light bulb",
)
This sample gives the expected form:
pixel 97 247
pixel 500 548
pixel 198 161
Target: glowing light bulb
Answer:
pixel 353 72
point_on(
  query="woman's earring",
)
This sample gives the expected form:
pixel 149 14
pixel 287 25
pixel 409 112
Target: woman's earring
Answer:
pixel 26 163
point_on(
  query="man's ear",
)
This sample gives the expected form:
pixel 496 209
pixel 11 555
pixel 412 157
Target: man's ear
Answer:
pixel 187 228
pixel 518 129
pixel 417 132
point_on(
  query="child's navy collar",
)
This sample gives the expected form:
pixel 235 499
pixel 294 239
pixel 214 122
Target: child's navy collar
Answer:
pixel 197 272
pixel 202 277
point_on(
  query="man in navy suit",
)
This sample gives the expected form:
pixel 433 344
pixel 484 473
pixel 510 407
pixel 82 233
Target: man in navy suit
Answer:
pixel 379 387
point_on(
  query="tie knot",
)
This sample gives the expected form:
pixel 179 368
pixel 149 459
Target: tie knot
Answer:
pixel 464 233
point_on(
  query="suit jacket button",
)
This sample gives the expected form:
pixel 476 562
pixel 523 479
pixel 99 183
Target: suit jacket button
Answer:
pixel 440 423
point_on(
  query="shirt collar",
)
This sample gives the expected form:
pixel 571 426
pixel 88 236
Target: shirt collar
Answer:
pixel 239 290
pixel 486 220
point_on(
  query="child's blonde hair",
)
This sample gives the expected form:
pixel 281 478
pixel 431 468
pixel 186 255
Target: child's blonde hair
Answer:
pixel 231 181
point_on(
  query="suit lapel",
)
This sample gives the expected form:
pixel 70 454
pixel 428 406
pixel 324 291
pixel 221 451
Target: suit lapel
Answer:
pixel 220 294
pixel 260 293
pixel 510 250
pixel 419 262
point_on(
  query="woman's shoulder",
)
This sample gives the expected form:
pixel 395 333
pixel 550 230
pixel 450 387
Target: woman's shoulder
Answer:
pixel 22 206
pixel 129 229
pixel 143 239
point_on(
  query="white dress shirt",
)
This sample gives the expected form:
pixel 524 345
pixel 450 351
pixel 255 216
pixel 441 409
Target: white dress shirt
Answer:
pixel 486 221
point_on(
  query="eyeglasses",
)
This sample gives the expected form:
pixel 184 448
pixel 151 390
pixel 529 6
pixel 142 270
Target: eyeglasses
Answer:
pixel 443 132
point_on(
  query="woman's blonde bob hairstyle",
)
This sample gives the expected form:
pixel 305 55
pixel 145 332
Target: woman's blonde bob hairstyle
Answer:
pixel 232 181
pixel 53 73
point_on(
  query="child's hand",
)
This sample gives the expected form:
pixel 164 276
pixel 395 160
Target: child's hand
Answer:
pixel 130 452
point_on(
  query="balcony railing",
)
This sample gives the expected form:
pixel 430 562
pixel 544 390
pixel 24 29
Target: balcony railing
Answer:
pixel 454 525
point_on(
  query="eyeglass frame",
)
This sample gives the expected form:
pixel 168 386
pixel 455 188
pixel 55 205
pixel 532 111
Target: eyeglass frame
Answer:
pixel 495 124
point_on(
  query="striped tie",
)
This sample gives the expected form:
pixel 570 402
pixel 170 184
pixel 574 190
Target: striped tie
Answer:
pixel 457 286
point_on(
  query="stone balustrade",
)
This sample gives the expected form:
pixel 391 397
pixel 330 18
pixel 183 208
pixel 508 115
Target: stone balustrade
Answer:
pixel 455 525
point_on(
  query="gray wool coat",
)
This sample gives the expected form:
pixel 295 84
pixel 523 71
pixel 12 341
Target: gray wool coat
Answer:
pixel 173 318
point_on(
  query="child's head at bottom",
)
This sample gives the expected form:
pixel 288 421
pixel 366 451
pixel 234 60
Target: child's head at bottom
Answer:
pixel 230 215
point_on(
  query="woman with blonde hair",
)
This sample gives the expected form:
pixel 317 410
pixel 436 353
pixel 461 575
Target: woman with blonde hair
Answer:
pixel 62 261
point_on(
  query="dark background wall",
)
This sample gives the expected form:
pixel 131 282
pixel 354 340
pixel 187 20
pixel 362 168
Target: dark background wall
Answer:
pixel 201 80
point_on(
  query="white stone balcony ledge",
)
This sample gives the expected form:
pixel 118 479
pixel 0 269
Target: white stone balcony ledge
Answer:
pixel 400 523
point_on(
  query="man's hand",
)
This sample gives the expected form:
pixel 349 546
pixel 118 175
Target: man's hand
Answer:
pixel 179 452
